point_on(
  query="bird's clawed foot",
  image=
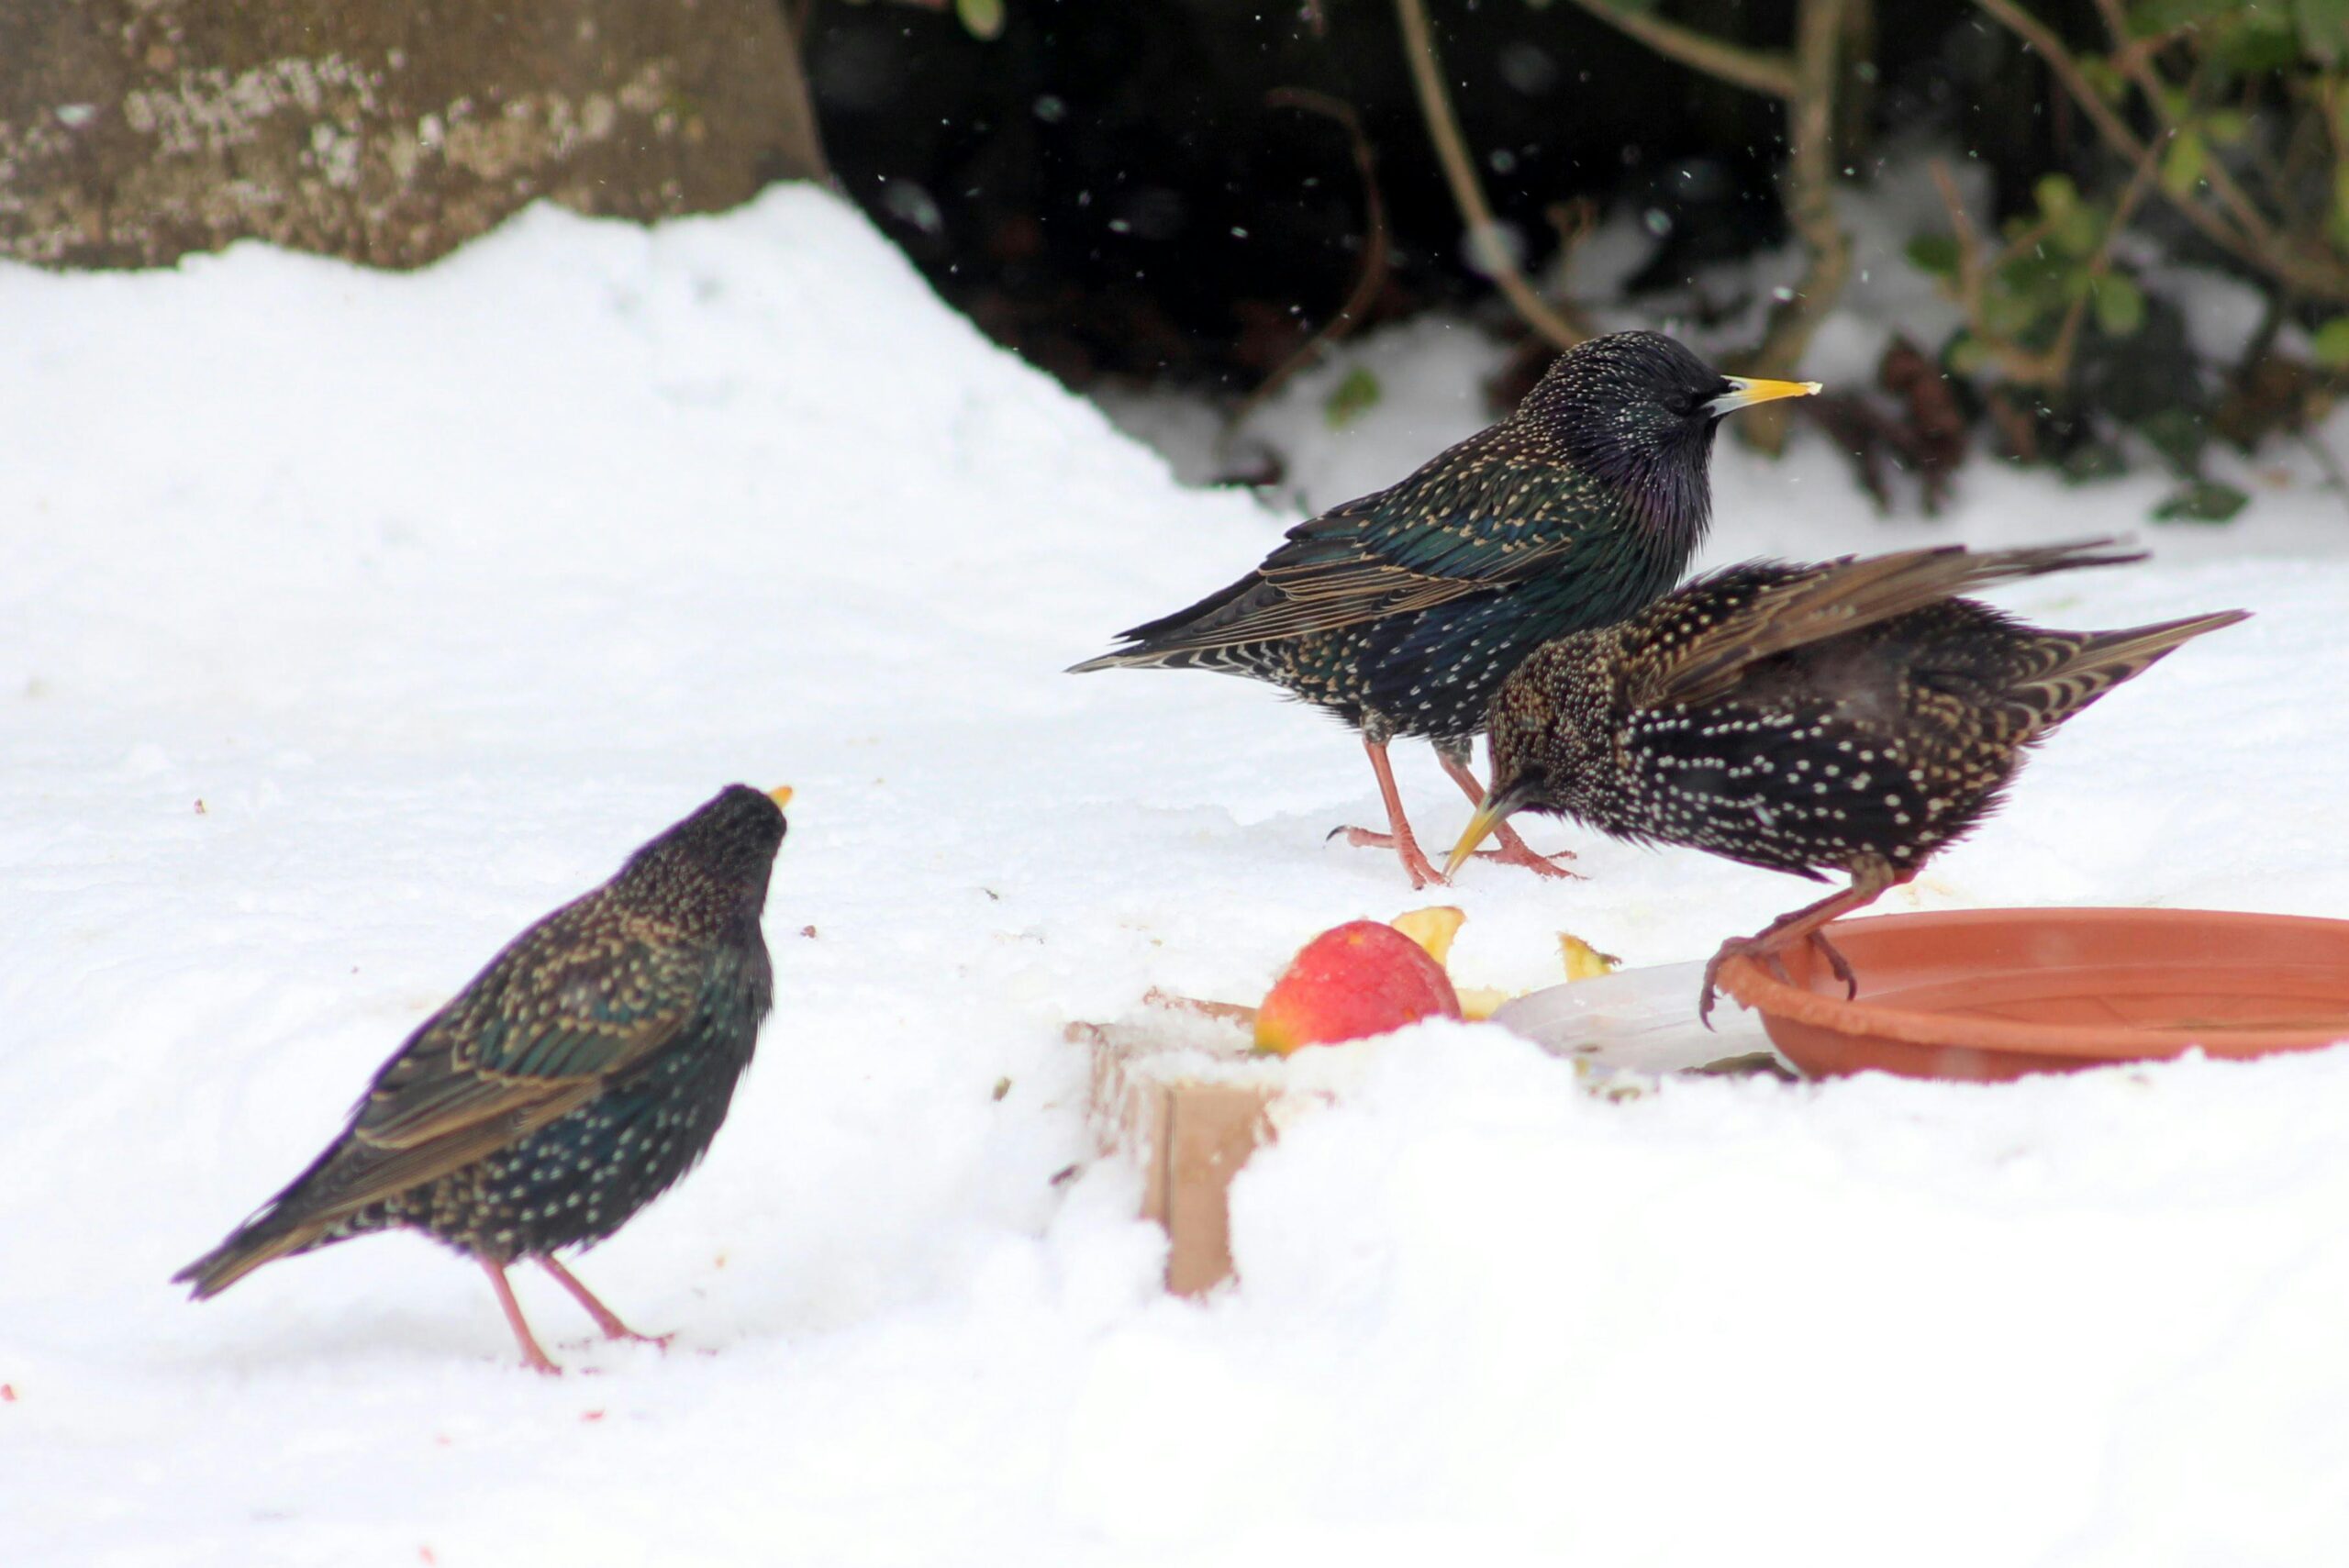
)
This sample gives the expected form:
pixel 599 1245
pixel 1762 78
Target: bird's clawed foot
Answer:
pixel 1416 865
pixel 1516 851
pixel 1766 949
pixel 606 1318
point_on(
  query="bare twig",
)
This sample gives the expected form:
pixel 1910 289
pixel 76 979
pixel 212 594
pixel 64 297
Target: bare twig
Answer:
pixel 1767 72
pixel 1810 206
pixel 2041 38
pixel 1805 81
pixel 1369 279
pixel 1485 241
pixel 2059 354
pixel 2138 65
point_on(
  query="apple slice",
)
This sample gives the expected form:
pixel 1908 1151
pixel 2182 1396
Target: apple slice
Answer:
pixel 1584 961
pixel 1432 927
pixel 1350 982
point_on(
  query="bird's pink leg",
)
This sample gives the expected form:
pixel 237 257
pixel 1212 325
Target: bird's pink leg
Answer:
pixel 1415 865
pixel 606 1318
pixel 1514 850
pixel 532 1357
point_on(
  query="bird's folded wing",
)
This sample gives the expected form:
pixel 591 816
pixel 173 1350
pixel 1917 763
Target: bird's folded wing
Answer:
pixel 1694 645
pixel 533 1039
pixel 1428 540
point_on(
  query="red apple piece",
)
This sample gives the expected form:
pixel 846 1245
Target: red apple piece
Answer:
pixel 1352 981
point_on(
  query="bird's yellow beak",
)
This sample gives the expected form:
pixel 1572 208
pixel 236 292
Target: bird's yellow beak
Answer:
pixel 1745 393
pixel 1480 828
pixel 780 795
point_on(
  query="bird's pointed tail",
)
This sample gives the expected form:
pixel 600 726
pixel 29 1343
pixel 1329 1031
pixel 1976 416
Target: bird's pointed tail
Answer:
pixel 247 1249
pixel 2101 661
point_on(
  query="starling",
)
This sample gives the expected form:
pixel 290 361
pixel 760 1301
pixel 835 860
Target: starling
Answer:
pixel 572 1083
pixel 1854 716
pixel 1402 612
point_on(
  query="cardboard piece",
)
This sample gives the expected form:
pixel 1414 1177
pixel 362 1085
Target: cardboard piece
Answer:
pixel 1176 1091
pixel 1204 1134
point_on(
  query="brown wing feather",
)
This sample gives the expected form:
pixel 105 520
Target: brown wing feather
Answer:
pixel 1697 647
pixel 532 1038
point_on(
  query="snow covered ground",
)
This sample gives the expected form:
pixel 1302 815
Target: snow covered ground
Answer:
pixel 351 621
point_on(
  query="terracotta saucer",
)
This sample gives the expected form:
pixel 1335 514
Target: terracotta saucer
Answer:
pixel 1995 994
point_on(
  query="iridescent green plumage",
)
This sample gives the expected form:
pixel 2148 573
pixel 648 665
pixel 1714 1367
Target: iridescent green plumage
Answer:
pixel 575 1079
pixel 1402 612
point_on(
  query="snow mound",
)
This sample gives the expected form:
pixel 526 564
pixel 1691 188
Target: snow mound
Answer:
pixel 356 620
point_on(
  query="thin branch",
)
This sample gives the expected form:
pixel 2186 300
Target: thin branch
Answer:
pixel 1767 72
pixel 1810 202
pixel 2041 38
pixel 1369 280
pixel 2139 67
pixel 1485 243
pixel 2059 355
pixel 1970 271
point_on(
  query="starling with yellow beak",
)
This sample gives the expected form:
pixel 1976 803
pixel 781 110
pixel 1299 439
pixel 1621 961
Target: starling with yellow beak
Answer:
pixel 572 1083
pixel 1402 612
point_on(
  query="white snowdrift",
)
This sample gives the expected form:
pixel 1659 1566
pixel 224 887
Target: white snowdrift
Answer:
pixel 441 592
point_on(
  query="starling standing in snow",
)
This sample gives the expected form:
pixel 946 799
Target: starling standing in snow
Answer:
pixel 1402 612
pixel 1854 716
pixel 572 1083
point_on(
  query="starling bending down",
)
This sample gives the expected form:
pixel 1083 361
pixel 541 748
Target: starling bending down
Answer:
pixel 1402 612
pixel 572 1083
pixel 1854 716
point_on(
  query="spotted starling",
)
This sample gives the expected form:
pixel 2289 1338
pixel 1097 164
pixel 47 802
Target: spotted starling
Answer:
pixel 1402 612
pixel 572 1083
pixel 1853 717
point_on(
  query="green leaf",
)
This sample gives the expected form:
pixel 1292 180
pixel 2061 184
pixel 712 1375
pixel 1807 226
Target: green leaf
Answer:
pixel 2323 27
pixel 2259 42
pixel 2058 194
pixel 2178 436
pixel 2079 231
pixel 2105 77
pixel 2203 501
pixel 1934 253
pixel 981 18
pixel 1352 398
pixel 2092 460
pixel 2182 164
pixel 1967 355
pixel 2331 343
pixel 2150 17
pixel 2226 126
pixel 2120 306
